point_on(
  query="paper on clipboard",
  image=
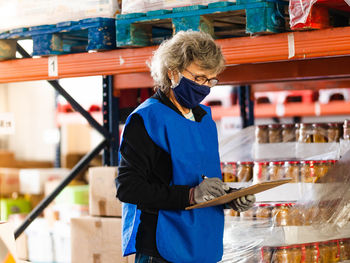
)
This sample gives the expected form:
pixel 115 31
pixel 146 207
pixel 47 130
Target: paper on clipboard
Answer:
pixel 253 189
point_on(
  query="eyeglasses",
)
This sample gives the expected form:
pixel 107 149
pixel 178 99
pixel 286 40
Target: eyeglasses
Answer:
pixel 203 79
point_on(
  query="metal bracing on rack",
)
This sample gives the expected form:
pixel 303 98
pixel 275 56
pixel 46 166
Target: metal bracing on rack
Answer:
pixel 107 131
pixel 45 202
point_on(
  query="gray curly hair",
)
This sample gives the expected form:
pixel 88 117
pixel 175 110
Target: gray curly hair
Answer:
pixel 180 51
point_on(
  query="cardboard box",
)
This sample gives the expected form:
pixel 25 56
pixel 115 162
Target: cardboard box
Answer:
pixel 7 159
pixel 76 194
pixel 76 139
pixel 13 206
pixel 9 181
pixel 32 181
pixel 7 243
pixel 97 239
pixel 103 201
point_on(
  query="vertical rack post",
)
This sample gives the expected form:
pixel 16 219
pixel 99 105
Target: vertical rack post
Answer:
pixel 250 102
pixel 110 121
pixel 246 105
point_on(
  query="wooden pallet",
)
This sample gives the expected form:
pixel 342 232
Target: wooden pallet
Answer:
pixel 68 37
pixel 220 19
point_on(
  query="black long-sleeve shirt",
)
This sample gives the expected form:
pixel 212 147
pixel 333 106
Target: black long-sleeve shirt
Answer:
pixel 144 175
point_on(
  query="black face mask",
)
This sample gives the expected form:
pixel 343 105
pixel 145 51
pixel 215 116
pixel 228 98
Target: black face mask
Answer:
pixel 189 93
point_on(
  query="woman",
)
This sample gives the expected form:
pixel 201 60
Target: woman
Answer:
pixel 169 145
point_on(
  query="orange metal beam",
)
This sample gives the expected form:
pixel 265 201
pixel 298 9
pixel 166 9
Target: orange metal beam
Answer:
pixel 277 47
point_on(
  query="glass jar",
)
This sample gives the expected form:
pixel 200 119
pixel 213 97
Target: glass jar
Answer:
pixel 319 132
pixel 343 250
pixel 305 133
pixel 233 213
pixel 261 172
pixel 262 134
pixel 307 174
pixel 297 130
pixel 288 133
pixel 249 214
pixel 325 252
pixel 306 251
pixel 280 214
pixel 229 172
pixel 309 214
pixel 244 171
pixel 315 253
pixel 347 246
pixel 333 133
pixel 266 253
pixel 320 169
pixel 346 131
pixel 334 251
pixel 296 254
pixel 296 216
pixel 292 170
pixel 276 170
pixel 282 255
pixel 275 133
pixel 263 211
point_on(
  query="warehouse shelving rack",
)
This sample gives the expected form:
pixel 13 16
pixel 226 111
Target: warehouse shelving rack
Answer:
pixel 297 56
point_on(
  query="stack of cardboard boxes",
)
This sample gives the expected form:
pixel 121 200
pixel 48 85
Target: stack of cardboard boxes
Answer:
pixel 97 238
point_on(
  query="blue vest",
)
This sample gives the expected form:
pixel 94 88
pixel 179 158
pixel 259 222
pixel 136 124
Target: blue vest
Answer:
pixel 182 236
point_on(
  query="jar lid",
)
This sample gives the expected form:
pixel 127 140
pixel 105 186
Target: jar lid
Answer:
pixel 288 125
pixel 240 163
pixel 274 126
pixel 321 125
pixel 292 162
pixel 262 163
pixel 332 161
pixel 303 125
pixel 314 244
pixel 333 124
pixel 264 126
pixel 264 205
pixel 277 163
pixel 320 161
pixel 284 247
pixel 285 204
pixel 305 162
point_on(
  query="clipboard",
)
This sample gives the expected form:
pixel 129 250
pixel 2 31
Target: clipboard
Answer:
pixel 253 189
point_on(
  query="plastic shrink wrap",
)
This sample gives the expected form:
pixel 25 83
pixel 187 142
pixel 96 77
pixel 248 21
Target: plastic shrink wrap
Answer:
pixel 142 6
pixel 313 14
pixel 304 221
pixel 27 13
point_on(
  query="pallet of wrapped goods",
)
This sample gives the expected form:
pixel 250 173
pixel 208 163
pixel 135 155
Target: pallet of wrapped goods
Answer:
pixel 97 239
pixel 318 14
pixel 220 19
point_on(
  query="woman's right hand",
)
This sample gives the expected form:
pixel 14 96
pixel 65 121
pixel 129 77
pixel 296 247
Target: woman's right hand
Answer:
pixel 208 189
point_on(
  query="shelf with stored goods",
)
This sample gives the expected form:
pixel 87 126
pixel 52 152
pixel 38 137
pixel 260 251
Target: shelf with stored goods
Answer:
pixel 286 110
pixel 270 58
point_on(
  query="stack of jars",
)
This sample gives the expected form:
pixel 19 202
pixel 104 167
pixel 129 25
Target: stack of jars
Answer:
pixel 302 132
pixel 298 171
pixel 237 171
pixel 288 214
pixel 326 252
